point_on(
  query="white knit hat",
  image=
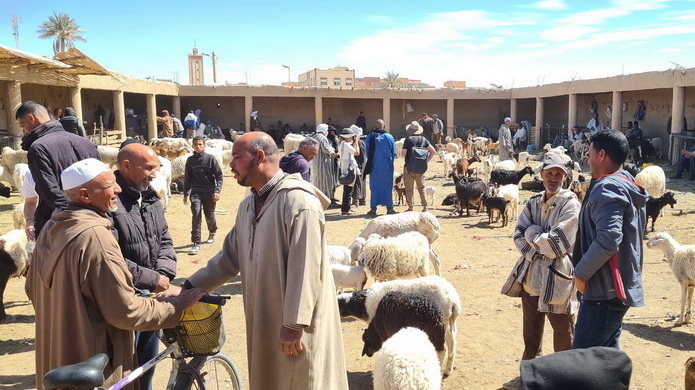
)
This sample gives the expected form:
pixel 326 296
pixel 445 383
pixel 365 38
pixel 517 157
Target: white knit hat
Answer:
pixel 81 172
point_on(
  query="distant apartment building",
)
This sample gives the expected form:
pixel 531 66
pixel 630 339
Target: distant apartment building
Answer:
pixel 338 77
pixel 454 84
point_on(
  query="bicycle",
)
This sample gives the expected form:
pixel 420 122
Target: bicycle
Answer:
pixel 194 347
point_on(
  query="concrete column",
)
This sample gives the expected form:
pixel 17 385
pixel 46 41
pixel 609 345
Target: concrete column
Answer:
pixel 151 116
pixel 512 110
pixel 617 113
pixel 119 112
pixel 176 109
pixel 387 114
pixel 318 110
pixel 450 126
pixel 571 112
pixel 14 97
pixel 677 113
pixel 539 121
pixel 76 100
pixel 248 109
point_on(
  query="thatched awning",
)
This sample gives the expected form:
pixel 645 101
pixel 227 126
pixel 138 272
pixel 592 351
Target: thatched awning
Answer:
pixel 15 57
pixel 80 63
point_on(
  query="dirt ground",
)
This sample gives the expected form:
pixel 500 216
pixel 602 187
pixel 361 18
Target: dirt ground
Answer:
pixel 476 259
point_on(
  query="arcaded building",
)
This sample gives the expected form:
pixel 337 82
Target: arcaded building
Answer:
pixel 73 79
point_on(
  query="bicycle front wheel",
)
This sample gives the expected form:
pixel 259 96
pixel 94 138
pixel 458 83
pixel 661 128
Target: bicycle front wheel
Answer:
pixel 210 373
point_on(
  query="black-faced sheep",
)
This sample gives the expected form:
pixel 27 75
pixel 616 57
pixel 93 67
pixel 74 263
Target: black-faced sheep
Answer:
pixel 681 258
pixel 655 205
pixel 396 257
pixel 13 260
pixel 449 200
pixel 398 310
pixel 496 203
pixel 503 176
pixel 469 191
pixel 407 361
pixel 363 304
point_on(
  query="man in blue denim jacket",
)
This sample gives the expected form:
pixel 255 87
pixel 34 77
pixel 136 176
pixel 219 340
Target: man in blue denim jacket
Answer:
pixel 611 222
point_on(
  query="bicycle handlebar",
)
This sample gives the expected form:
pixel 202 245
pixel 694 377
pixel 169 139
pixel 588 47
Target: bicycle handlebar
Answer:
pixel 219 300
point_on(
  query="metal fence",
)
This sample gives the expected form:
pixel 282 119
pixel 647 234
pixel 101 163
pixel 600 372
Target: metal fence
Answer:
pixel 678 142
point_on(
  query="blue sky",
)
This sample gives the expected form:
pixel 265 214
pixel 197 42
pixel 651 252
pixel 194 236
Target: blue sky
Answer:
pixel 507 43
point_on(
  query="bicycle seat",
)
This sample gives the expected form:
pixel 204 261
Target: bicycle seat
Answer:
pixel 87 374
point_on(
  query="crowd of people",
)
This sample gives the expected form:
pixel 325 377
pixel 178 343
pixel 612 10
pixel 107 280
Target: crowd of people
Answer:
pixel 102 237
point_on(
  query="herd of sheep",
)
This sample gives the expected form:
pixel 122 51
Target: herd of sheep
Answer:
pixel 410 315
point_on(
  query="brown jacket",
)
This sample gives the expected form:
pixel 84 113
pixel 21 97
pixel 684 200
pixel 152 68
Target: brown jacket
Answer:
pixel 167 124
pixel 84 299
pixel 286 280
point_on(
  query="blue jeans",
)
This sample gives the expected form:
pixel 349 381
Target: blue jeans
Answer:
pixel 147 347
pixel 599 324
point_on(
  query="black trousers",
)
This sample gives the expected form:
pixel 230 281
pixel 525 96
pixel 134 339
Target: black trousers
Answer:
pixel 202 201
pixel 347 194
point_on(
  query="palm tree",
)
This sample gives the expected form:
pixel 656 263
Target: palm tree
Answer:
pixel 392 81
pixel 63 29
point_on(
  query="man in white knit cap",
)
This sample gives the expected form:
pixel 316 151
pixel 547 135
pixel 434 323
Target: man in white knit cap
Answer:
pixel 80 286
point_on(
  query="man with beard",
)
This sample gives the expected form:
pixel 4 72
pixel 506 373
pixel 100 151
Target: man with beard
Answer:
pixel 278 244
pixel 143 235
pixel 50 151
pixel 80 287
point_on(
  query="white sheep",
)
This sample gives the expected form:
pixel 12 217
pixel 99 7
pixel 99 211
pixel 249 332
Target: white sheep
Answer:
pixel 399 147
pixel 339 255
pixel 219 143
pixel 392 225
pixel 291 142
pixel 20 172
pixel 346 276
pixel 178 167
pixel 226 158
pixel 18 219
pixel 396 257
pixel 164 169
pixel 363 305
pixel 217 153
pixel 407 361
pixel 653 179
pixel 109 155
pixel 681 258
pixel 171 147
pixel 13 260
pixel 10 158
pixel 356 248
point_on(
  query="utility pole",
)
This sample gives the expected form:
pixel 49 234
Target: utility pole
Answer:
pixel 214 66
pixel 15 27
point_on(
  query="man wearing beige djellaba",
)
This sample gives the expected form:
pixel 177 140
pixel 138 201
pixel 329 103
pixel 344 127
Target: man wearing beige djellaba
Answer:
pixel 293 330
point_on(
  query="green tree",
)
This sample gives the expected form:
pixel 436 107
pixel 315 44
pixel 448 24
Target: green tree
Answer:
pixel 63 29
pixel 391 80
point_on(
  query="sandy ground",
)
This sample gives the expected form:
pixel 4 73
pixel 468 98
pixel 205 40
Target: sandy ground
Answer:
pixel 476 258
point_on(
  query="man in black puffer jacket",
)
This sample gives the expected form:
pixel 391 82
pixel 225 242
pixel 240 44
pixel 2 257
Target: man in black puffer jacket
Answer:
pixel 143 235
pixel 50 151
pixel 71 123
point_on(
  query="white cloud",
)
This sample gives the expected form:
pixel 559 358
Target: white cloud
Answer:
pixel 532 45
pixel 550 5
pixel 668 50
pixel 567 33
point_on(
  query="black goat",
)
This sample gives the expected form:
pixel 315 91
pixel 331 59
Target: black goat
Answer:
pixel 450 200
pixel 502 177
pixel 632 169
pixel 496 203
pixel 398 310
pixel 469 190
pixel 654 206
